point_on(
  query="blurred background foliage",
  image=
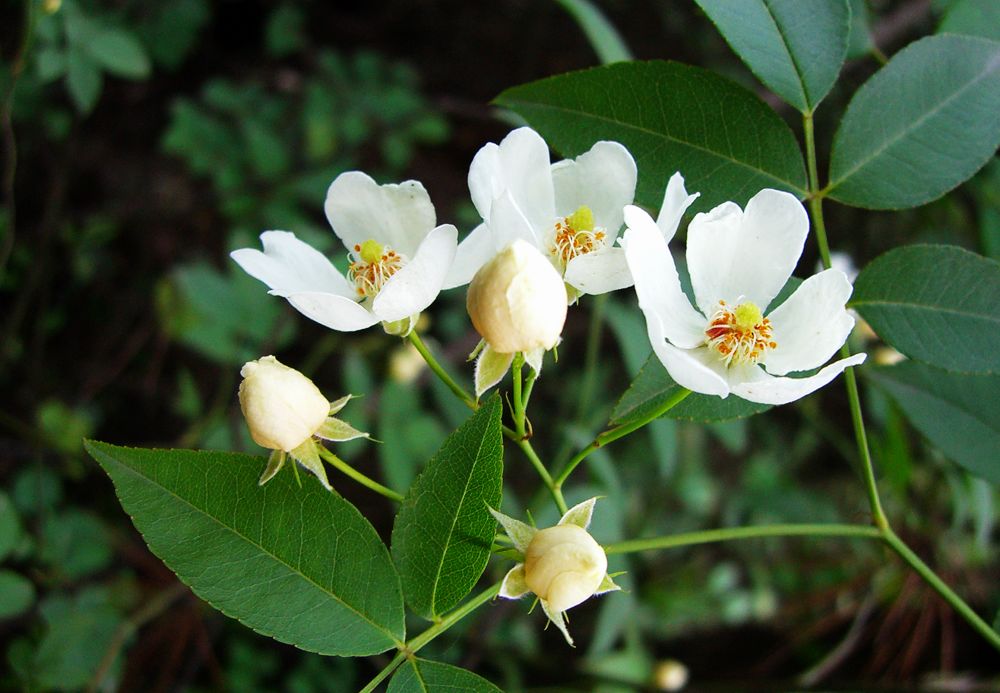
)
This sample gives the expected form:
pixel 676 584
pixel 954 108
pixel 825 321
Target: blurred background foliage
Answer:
pixel 143 141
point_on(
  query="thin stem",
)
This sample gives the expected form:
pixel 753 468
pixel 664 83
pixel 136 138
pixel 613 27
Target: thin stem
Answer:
pixel 441 373
pixel 613 434
pixel 941 587
pixel 384 674
pixel 358 476
pixel 518 404
pixel 536 462
pixel 735 533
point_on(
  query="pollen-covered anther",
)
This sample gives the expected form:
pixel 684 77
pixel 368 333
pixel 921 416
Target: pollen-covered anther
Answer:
pixel 741 334
pixel 372 267
pixel 576 235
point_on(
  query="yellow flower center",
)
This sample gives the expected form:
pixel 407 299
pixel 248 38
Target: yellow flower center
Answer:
pixel 373 266
pixel 576 235
pixel 741 334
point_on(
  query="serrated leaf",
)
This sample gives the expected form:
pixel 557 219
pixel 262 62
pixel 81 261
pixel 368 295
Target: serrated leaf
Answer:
pixel 119 52
pixel 423 676
pixel 973 18
pixel 934 303
pixel 795 47
pixel 957 412
pixel 672 117
pixel 442 535
pixel 654 386
pixel 921 125
pixel 298 564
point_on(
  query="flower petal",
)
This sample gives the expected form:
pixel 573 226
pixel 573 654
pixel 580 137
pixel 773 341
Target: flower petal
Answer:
pixel 418 282
pixel 534 359
pixel 602 179
pixel 289 265
pixel 811 325
pixel 656 282
pixel 558 619
pixel 507 223
pixel 519 532
pixel 491 367
pixel 514 585
pixel 520 166
pixel 599 272
pixel 699 370
pixel 579 514
pixel 336 312
pixel 473 252
pixel 360 209
pixel 762 387
pixel 675 202
pixel 738 256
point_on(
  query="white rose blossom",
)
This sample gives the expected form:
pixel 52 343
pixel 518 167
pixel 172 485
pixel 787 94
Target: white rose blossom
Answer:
pixel 563 565
pixel 738 261
pixel 571 211
pixel 399 258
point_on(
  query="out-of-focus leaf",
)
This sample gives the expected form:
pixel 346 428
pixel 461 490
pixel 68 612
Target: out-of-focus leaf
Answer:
pixel 934 303
pixel 860 41
pixel 672 117
pixel 409 435
pixel 10 526
pixel 312 571
pixel 119 52
pixel 973 18
pixel 76 544
pixel 17 594
pixel 795 47
pixel 603 37
pixel 284 33
pixel 443 532
pixel 921 125
pixel 83 80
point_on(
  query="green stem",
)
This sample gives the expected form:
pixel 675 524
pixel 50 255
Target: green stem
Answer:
pixel 536 462
pixel 734 533
pixel 413 646
pixel 441 373
pixel 518 404
pixel 613 434
pixel 358 476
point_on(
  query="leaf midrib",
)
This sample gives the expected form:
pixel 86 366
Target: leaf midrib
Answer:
pixel 276 559
pixel 925 307
pixel 791 57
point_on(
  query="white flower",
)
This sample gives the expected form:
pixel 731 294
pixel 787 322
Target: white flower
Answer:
pixel 563 565
pixel 399 258
pixel 571 210
pixel 739 261
pixel 285 412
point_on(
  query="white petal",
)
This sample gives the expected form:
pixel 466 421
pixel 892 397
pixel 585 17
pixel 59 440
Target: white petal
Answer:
pixel 473 252
pixel 288 265
pixel 602 179
pixel 360 209
pixel 675 202
pixel 514 585
pixel 599 272
pixel 534 359
pixel 507 223
pixel 699 370
pixel 558 618
pixel 520 166
pixel 418 282
pixel 738 256
pixel 768 389
pixel 336 312
pixel 811 325
pixel 656 282
pixel 579 514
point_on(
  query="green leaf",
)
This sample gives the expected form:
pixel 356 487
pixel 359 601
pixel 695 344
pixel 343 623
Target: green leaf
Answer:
pixel 795 47
pixel 654 386
pixel 959 413
pixel 860 41
pixel 17 594
pixel 423 676
pixel 83 80
pixel 920 126
pixel 298 564
pixel 934 303
pixel 603 37
pixel 973 18
pixel 75 543
pixel 672 117
pixel 442 535
pixel 119 52
pixel 10 526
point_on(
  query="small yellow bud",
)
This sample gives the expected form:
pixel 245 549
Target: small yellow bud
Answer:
pixel 670 675
pixel 748 316
pixel 282 407
pixel 371 251
pixel 564 566
pixel 517 300
pixel 581 220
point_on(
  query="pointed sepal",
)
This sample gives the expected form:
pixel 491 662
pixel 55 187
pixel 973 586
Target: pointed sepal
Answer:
pixel 274 464
pixel 607 585
pixel 491 367
pixel 514 585
pixel 307 456
pixel 520 533
pixel 339 404
pixel 338 431
pixel 579 514
pixel 558 619
pixel 534 359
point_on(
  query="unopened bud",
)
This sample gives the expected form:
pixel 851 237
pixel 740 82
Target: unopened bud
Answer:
pixel 670 675
pixel 564 565
pixel 517 300
pixel 282 407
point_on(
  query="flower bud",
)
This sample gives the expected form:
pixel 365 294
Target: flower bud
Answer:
pixel 564 565
pixel 283 408
pixel 517 300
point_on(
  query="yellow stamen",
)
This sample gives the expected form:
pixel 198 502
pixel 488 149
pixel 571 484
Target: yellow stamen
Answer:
pixel 576 235
pixel 374 265
pixel 742 334
pixel 371 251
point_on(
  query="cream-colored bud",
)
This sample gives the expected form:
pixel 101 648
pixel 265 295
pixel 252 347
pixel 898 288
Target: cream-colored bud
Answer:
pixel 517 300
pixel 564 566
pixel 283 408
pixel 670 675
